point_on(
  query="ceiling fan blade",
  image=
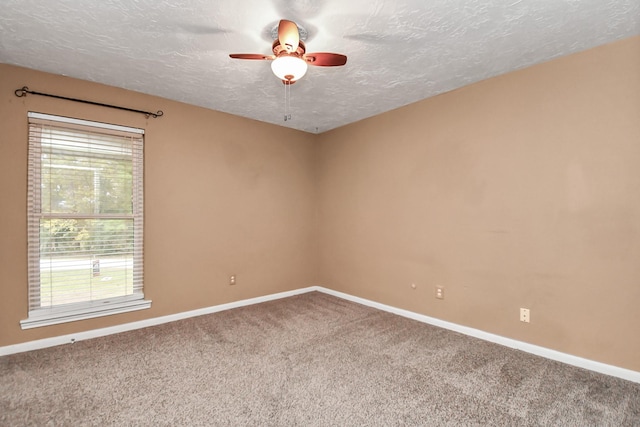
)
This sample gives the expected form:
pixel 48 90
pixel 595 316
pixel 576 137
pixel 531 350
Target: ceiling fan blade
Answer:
pixel 251 56
pixel 288 35
pixel 325 59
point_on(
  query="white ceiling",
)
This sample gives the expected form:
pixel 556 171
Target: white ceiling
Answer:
pixel 398 51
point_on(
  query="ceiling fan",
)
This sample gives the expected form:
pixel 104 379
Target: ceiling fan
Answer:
pixel 289 55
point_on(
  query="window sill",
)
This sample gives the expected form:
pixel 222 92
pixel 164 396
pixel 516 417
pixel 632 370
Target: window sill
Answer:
pixel 46 317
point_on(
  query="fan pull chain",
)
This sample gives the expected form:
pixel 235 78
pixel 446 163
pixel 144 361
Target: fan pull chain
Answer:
pixel 287 101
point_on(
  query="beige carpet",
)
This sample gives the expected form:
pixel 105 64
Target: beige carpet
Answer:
pixel 308 360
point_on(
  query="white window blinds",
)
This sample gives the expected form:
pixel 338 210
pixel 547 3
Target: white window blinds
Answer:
pixel 85 220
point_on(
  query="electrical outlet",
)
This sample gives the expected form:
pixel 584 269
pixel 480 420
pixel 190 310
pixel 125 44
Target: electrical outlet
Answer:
pixel 440 292
pixel 525 315
pixel 232 279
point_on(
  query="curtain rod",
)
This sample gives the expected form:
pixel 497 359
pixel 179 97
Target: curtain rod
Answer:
pixel 25 90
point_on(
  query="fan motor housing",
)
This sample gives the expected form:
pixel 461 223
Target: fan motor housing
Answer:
pixel 279 50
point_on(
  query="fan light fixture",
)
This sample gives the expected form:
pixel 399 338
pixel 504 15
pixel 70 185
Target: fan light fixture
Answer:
pixel 289 68
pixel 290 59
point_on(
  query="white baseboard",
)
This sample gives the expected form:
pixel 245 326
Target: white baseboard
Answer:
pixel 569 359
pixel 95 333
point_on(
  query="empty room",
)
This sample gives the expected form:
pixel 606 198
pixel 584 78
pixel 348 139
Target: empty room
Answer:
pixel 320 213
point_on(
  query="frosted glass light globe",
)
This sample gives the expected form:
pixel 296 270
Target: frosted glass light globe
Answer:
pixel 289 68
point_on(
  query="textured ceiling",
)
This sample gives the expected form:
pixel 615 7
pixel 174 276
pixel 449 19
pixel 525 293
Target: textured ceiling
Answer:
pixel 399 51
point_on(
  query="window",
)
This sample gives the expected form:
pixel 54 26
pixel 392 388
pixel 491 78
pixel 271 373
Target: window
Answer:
pixel 85 220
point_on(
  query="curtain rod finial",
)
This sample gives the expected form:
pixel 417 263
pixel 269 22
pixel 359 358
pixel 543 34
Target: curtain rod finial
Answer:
pixel 22 91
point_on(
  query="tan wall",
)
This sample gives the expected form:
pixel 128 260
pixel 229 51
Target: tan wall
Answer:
pixel 519 191
pixel 224 195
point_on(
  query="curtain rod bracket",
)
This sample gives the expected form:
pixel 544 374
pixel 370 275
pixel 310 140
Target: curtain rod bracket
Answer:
pixel 24 90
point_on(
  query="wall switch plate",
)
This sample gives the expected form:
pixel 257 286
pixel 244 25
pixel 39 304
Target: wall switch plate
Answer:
pixel 440 292
pixel 525 315
pixel 232 280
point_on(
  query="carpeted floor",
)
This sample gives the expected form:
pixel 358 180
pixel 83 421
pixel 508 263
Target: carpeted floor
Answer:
pixel 308 360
